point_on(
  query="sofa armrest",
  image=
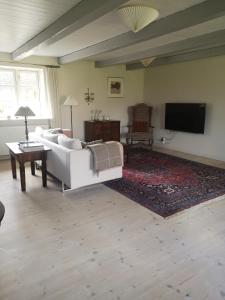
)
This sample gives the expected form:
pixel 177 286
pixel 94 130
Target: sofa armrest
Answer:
pixel 82 171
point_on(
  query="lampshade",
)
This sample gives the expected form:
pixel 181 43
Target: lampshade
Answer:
pixel 70 100
pixel 147 61
pixel 24 111
pixel 137 16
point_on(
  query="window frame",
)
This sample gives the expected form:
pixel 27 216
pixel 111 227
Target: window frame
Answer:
pixel 43 101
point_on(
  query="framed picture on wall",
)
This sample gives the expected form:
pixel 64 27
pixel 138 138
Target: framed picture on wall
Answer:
pixel 115 87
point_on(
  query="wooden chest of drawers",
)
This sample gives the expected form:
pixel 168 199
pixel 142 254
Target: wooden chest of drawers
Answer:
pixel 106 130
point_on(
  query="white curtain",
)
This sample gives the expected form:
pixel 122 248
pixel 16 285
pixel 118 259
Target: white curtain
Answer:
pixel 53 95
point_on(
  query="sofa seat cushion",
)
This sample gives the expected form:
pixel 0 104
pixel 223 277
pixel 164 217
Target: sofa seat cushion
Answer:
pixel 69 143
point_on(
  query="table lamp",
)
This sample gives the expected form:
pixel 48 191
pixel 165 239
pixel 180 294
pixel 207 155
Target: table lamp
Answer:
pixel 25 111
pixel 71 101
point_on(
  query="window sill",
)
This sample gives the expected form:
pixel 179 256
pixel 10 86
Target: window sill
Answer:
pixel 20 122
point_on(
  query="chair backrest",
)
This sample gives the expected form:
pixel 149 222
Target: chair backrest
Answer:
pixel 140 117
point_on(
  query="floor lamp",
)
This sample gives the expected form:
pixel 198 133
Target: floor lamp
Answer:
pixel 71 101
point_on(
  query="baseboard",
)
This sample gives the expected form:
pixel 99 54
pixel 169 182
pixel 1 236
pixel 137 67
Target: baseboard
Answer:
pixel 4 157
pixel 201 159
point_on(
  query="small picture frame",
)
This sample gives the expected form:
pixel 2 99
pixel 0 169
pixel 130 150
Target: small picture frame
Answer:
pixel 115 87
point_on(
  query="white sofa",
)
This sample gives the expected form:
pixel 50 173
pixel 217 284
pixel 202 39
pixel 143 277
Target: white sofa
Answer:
pixel 74 168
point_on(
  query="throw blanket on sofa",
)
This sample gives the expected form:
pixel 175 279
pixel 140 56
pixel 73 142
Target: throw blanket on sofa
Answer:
pixel 106 155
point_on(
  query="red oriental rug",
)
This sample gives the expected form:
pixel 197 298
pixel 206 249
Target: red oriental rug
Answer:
pixel 167 184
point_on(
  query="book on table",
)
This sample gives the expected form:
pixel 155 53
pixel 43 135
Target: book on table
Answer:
pixel 31 146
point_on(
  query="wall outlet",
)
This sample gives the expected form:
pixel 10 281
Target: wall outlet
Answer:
pixel 163 140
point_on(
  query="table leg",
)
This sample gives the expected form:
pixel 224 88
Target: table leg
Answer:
pixel 32 166
pixel 44 170
pixel 22 177
pixel 13 165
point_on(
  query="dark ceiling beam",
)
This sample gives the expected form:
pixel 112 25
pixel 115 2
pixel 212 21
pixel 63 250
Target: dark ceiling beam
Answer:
pixel 192 16
pixel 80 15
pixel 184 57
pixel 209 40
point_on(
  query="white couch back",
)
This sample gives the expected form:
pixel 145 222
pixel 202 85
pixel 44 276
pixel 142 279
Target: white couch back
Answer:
pixel 75 167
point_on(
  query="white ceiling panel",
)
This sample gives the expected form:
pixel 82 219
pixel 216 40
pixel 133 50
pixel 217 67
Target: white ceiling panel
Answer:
pixel 102 29
pixel 204 28
pixel 20 20
pixel 109 26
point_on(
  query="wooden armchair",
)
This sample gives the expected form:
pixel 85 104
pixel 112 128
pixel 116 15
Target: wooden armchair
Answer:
pixel 140 128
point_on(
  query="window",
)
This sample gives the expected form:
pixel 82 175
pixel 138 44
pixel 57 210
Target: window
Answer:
pixel 22 87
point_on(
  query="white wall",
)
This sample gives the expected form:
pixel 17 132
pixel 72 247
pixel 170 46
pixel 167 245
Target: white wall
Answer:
pixel 196 81
pixel 75 78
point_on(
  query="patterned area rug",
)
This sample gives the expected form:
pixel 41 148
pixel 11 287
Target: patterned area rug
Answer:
pixel 167 184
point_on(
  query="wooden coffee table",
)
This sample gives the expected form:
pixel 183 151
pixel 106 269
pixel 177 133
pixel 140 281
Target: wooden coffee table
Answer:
pixel 18 155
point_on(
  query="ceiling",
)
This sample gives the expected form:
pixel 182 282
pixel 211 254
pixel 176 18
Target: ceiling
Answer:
pixel 20 20
pixel 97 31
pixel 107 27
pixel 193 31
pixel 87 29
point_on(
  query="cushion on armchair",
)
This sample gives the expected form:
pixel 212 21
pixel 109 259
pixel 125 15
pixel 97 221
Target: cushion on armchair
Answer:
pixel 140 126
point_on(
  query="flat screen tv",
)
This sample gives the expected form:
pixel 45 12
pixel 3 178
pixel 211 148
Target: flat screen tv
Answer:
pixel 186 117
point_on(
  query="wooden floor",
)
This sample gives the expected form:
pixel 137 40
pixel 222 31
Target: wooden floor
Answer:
pixel 97 244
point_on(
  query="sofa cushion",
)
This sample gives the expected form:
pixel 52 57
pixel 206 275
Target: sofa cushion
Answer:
pixel 51 137
pixel 69 143
pixel 55 130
